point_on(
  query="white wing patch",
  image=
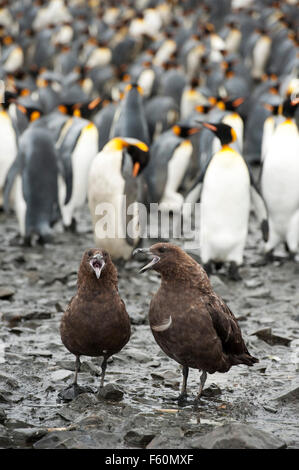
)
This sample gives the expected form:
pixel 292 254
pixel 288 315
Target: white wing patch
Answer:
pixel 164 326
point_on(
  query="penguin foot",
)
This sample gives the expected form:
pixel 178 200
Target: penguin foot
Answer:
pixel 270 257
pixel 72 227
pixel 233 272
pixel 72 391
pixel 218 265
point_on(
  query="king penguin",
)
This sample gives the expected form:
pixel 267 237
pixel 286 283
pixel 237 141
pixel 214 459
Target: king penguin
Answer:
pixel 33 177
pixel 129 119
pixel 8 138
pixel 226 190
pixel 279 182
pixel 170 159
pixel 114 173
pixel 77 145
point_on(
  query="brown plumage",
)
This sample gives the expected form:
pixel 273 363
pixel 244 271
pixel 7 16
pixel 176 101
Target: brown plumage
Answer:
pixel 95 322
pixel 189 321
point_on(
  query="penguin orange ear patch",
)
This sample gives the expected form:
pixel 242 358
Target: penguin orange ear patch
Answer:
pixel 62 109
pixel 34 115
pixel 176 130
pixel 234 134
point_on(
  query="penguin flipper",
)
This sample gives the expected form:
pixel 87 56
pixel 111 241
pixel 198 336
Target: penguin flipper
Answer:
pixel 9 181
pixel 194 195
pixel 66 170
pixel 260 211
pixel 131 194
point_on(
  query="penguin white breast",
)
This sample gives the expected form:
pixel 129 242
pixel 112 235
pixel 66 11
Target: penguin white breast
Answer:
pixel 8 148
pixel 85 151
pixel 176 170
pixel 261 52
pixel 235 121
pixel 14 61
pixel 225 201
pixel 164 52
pixel 105 192
pixel 233 40
pixel 146 81
pixel 281 172
pixel 100 57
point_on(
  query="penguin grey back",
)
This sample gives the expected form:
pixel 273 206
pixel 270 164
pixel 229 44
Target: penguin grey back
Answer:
pixel 131 121
pixel 39 180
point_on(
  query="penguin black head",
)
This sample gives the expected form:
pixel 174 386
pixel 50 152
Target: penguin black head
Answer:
pixel 30 108
pixel 85 110
pixel 134 86
pixel 289 107
pixel 184 131
pixel 8 98
pixel 232 104
pixel 225 133
pixel 138 151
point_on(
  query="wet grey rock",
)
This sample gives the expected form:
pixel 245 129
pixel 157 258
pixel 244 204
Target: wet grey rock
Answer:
pixel 270 409
pixel 219 286
pixel 23 436
pixel 139 356
pixel 289 395
pixel 5 438
pixel 262 293
pixel 253 283
pixel 9 381
pixel 212 391
pixel 238 436
pixel 138 438
pixel 78 440
pixel 6 292
pixel 18 315
pixel 111 392
pixel 266 335
pixel 2 416
pixel 4 396
pixel 61 375
pixel 83 401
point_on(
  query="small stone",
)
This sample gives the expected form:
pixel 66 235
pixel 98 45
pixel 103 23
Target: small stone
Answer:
pixel 138 356
pixel 261 293
pixel 27 435
pixel 138 438
pixel 253 283
pixel 111 392
pixel 290 395
pixel 6 292
pixel 61 375
pixel 8 380
pixel 270 409
pixel 267 336
pixel 212 391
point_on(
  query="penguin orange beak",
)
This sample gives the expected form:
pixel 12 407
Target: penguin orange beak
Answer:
pixel 209 126
pixel 94 103
pixel 136 169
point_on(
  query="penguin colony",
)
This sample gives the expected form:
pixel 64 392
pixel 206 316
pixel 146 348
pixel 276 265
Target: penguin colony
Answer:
pixel 158 102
